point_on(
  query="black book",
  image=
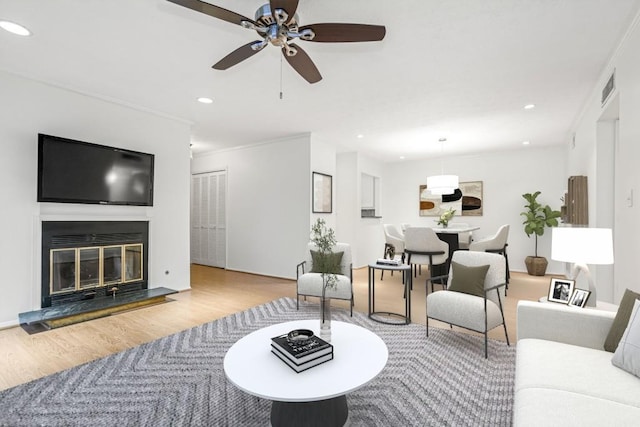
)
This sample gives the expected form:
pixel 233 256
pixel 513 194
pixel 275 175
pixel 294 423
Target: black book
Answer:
pixel 301 352
pixel 304 366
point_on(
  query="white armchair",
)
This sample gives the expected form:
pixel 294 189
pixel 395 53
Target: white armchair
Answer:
pixel 310 283
pixel 472 311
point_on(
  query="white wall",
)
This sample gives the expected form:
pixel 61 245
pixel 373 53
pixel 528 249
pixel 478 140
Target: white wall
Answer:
pixel 364 234
pixel 268 204
pixel 322 158
pixel 28 108
pixel 505 175
pixel 585 158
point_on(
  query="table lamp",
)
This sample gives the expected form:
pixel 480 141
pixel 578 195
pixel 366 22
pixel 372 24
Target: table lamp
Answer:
pixel 581 246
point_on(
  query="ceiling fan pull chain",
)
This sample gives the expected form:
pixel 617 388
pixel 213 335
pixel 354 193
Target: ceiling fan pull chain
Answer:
pixel 280 76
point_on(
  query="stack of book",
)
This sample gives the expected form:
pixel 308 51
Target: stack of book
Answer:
pixel 301 356
pixel 392 262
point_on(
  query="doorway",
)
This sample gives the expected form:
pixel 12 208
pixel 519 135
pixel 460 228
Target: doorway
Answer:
pixel 208 219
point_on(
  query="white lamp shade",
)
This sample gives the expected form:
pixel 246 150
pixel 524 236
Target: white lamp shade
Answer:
pixel 442 184
pixel 582 245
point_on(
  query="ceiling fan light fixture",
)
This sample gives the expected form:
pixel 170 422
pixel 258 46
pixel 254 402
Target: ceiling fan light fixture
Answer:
pixel 307 34
pixel 289 50
pixel 259 45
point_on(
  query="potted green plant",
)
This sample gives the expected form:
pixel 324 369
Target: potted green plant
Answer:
pixel 446 217
pixel 537 218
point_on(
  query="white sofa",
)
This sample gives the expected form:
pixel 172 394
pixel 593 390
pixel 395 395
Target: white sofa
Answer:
pixel 563 375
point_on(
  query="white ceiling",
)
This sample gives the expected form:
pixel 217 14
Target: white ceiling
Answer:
pixel 460 69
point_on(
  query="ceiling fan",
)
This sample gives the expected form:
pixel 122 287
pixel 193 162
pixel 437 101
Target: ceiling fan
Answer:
pixel 277 23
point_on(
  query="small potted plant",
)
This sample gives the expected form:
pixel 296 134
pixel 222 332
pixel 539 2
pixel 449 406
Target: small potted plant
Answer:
pixel 446 217
pixel 537 218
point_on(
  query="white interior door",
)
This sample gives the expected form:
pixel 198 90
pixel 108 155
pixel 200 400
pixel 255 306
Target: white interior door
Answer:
pixel 208 219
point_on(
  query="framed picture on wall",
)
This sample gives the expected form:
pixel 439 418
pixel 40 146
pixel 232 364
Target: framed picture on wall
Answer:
pixel 322 189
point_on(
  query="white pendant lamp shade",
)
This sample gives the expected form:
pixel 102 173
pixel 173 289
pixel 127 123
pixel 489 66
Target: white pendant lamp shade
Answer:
pixel 442 184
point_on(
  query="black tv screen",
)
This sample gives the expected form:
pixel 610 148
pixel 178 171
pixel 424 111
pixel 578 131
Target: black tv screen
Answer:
pixel 72 171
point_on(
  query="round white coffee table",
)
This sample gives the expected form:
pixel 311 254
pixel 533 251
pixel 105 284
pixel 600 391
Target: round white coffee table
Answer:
pixel 316 396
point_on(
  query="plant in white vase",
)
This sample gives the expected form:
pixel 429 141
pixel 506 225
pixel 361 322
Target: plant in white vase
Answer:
pixel 446 217
pixel 324 239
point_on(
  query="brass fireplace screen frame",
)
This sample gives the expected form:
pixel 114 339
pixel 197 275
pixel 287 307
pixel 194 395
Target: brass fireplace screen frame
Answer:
pixel 77 269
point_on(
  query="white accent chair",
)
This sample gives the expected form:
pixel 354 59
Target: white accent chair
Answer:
pixel 422 246
pixel 480 314
pixel 496 244
pixel 310 284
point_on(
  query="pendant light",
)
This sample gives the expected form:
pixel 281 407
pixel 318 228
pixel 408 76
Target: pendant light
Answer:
pixel 442 184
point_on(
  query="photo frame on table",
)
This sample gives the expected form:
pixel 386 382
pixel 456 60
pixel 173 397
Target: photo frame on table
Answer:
pixel 322 189
pixel 561 290
pixel 579 297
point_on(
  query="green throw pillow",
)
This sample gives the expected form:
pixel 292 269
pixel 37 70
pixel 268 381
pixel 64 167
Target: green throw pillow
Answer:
pixel 469 280
pixel 326 263
pixel 621 320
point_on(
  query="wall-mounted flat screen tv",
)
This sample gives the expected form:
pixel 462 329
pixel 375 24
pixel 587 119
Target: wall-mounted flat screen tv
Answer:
pixel 72 171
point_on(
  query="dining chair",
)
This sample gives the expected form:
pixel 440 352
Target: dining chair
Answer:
pixel 422 246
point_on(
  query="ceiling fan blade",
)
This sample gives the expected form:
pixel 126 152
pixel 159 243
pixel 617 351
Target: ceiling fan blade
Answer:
pixel 238 55
pixel 289 6
pixel 340 33
pixel 211 10
pixel 302 63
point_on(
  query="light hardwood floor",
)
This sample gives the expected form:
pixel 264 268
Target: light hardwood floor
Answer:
pixel 214 293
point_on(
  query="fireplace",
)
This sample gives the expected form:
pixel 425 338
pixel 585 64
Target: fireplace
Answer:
pixel 92 259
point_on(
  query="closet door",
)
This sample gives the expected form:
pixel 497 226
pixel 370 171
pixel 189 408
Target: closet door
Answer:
pixel 208 219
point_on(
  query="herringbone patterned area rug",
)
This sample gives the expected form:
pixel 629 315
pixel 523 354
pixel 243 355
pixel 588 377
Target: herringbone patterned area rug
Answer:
pixel 178 380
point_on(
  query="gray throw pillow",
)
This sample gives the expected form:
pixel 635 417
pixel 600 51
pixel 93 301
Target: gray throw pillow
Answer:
pixel 467 279
pixel 326 263
pixel 627 355
pixel 621 320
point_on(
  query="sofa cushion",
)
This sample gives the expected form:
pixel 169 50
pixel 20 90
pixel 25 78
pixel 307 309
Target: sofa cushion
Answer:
pixel 468 310
pixel 621 321
pixel 468 279
pixel 627 356
pixel 550 365
pixel 326 263
pixel 311 284
pixel 536 407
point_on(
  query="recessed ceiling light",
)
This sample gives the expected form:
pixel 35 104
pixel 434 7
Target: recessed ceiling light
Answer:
pixel 205 100
pixel 526 142
pixel 14 28
pixel 360 136
pixel 529 106
pixel 401 157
